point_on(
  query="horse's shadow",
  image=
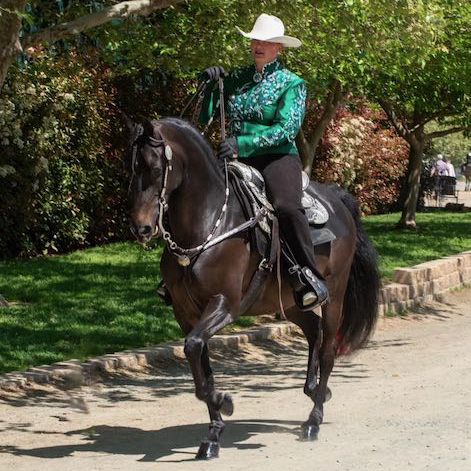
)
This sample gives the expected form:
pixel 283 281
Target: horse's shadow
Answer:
pixel 153 445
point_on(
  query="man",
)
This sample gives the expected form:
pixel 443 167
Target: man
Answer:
pixel 440 167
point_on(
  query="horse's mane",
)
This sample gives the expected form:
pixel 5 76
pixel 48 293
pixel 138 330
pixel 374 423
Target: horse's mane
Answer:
pixel 194 132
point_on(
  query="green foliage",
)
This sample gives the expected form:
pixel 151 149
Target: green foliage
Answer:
pixel 57 174
pixel 454 147
pixel 430 77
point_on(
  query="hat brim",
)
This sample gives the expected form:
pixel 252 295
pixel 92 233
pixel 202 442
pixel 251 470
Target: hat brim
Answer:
pixel 287 41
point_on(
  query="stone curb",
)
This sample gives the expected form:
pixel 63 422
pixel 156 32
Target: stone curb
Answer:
pixel 73 373
pixel 429 281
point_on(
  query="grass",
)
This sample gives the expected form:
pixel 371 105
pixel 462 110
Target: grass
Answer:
pixel 439 234
pixel 79 305
pixel 102 300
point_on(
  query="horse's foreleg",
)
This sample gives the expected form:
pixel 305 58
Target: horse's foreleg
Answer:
pixel 210 448
pixel 214 318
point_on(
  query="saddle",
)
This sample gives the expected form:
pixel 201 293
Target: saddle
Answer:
pixel 249 186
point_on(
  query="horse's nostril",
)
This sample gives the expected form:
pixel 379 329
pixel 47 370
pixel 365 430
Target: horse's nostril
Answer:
pixel 145 231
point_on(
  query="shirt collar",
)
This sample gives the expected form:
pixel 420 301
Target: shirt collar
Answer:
pixel 267 70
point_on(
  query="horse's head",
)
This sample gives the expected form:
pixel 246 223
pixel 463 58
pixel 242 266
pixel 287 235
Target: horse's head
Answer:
pixel 150 163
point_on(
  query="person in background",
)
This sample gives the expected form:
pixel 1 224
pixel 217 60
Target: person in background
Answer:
pixel 439 168
pixel 450 168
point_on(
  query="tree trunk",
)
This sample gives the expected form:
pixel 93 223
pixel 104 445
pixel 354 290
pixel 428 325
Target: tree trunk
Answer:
pixel 10 25
pixel 412 185
pixel 305 152
pixel 307 146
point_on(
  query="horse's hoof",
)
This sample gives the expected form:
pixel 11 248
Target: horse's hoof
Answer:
pixel 227 406
pixel 309 432
pixel 208 451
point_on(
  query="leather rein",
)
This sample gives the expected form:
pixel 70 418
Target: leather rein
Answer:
pixel 186 255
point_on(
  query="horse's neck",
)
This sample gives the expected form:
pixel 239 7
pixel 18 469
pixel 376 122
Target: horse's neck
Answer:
pixel 196 204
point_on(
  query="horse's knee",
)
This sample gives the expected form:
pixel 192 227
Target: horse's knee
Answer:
pixel 193 347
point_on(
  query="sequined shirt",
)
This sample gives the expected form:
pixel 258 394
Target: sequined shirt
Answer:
pixel 265 110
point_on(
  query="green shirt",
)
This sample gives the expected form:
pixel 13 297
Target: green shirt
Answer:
pixel 265 110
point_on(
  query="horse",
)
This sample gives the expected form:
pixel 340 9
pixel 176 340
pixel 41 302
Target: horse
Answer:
pixel 178 191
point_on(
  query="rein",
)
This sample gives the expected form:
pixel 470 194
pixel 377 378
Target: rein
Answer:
pixel 185 255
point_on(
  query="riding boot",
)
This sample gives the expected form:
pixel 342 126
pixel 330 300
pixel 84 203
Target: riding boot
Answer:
pixel 309 289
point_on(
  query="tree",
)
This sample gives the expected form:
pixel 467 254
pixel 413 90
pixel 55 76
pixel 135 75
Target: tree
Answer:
pixel 12 12
pixel 432 83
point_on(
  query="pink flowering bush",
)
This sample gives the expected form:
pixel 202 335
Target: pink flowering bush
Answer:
pixel 364 155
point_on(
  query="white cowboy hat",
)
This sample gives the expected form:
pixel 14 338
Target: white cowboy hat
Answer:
pixel 271 29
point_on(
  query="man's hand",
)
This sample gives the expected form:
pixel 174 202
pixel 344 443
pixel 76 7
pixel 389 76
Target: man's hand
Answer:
pixel 228 148
pixel 213 73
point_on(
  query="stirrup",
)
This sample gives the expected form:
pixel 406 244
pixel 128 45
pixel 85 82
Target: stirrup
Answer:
pixel 164 294
pixel 311 292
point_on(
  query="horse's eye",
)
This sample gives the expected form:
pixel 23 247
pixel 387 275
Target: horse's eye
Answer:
pixel 156 172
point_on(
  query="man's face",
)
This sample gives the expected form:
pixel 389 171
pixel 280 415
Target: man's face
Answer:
pixel 264 52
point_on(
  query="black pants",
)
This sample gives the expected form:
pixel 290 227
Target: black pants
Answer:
pixel 283 180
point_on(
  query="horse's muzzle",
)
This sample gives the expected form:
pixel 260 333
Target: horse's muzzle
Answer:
pixel 144 233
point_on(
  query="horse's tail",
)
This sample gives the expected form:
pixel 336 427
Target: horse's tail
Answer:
pixel 360 307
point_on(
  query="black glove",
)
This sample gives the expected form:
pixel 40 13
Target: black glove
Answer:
pixel 228 148
pixel 213 73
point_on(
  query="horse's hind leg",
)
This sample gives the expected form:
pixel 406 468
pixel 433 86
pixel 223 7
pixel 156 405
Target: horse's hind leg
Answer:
pixel 330 321
pixel 311 326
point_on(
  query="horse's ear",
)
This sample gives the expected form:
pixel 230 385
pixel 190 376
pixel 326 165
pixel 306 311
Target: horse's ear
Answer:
pixel 128 122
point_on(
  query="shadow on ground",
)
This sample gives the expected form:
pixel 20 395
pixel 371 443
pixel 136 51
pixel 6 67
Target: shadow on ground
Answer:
pixel 152 445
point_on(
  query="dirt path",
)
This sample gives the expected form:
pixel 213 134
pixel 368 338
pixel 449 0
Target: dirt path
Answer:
pixel 404 403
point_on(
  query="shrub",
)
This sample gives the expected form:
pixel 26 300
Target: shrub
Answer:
pixel 61 185
pixel 363 155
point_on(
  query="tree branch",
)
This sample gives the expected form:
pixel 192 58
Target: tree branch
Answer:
pixel 446 132
pixel 396 122
pixel 120 10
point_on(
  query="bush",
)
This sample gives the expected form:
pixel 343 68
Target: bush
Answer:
pixel 363 155
pixel 61 185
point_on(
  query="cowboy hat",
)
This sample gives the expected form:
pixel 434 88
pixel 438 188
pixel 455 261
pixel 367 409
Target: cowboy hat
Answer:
pixel 271 29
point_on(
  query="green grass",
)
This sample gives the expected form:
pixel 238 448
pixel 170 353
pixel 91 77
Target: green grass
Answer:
pixel 103 299
pixel 439 234
pixel 90 302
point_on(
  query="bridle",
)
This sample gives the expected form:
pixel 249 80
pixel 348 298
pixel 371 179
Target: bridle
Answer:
pixel 185 255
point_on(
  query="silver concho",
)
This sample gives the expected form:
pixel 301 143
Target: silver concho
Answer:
pixel 183 260
pixel 257 77
pixel 168 152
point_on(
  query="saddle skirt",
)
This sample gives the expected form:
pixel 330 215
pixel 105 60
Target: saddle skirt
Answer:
pixel 252 184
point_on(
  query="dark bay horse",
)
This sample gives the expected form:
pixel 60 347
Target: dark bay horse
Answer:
pixel 174 171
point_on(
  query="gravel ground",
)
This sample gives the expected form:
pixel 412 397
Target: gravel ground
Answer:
pixel 403 403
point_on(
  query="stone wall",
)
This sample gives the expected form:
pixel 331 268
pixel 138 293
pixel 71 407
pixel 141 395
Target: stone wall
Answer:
pixel 425 282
